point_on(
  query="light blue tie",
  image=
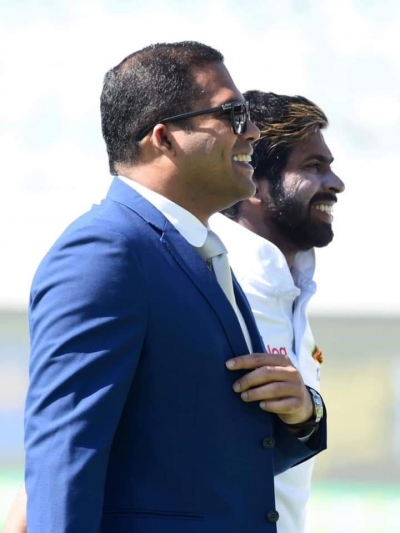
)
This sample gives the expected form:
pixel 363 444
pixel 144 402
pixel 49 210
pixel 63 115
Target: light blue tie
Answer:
pixel 214 251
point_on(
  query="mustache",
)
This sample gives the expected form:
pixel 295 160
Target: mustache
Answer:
pixel 323 196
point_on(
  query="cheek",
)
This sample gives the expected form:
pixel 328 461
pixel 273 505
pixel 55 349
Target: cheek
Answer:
pixel 301 187
pixel 199 144
pixel 216 150
pixel 299 193
pixel 223 142
pixel 294 186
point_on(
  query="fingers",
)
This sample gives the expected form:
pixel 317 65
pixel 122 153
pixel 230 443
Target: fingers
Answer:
pixel 275 383
pixel 291 401
pixel 272 391
pixel 267 374
pixel 284 407
pixel 280 397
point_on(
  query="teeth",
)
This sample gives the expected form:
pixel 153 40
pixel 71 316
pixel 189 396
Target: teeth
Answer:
pixel 323 207
pixel 244 158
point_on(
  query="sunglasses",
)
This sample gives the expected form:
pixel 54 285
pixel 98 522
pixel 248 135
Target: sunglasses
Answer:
pixel 238 112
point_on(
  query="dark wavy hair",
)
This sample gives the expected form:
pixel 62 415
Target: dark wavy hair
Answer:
pixel 147 86
pixel 284 121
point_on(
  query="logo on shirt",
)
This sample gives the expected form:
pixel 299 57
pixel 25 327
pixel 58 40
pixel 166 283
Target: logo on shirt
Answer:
pixel 317 355
pixel 281 350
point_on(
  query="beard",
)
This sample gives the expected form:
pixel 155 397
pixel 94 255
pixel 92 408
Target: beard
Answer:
pixel 294 221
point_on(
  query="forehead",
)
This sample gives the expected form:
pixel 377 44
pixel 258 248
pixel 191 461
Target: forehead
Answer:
pixel 216 85
pixel 313 145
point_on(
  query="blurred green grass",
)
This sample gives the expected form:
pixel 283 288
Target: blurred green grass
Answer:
pixel 346 507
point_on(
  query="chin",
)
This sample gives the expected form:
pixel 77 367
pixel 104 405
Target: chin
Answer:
pixel 232 200
pixel 249 190
pixel 323 243
pixel 323 238
pixel 307 236
pixel 242 187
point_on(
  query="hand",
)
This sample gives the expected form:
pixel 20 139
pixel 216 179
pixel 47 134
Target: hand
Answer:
pixel 275 383
pixel 16 520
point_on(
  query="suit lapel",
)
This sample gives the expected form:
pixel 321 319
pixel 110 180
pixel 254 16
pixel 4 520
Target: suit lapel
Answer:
pixel 192 264
pixel 188 260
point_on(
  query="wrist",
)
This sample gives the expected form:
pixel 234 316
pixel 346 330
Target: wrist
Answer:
pixel 303 429
pixel 309 426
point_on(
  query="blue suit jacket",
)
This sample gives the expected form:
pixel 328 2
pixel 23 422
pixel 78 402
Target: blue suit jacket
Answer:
pixel 131 421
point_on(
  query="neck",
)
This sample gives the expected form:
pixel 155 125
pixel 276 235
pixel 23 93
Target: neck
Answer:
pixel 272 233
pixel 160 183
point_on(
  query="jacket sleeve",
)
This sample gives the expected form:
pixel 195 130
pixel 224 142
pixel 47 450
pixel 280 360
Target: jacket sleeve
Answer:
pixel 290 451
pixel 88 318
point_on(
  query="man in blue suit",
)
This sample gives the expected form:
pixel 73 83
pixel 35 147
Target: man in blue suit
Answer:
pixel 152 404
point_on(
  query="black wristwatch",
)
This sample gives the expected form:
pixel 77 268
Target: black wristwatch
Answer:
pixel 310 426
pixel 318 404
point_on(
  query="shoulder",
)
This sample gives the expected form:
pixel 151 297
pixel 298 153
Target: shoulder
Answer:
pixel 101 248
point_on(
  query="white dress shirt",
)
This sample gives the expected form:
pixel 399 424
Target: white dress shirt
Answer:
pixel 188 226
pixel 183 221
pixel 279 299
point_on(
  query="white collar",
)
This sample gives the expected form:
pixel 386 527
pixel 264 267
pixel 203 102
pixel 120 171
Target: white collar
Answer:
pixel 185 222
pixel 250 250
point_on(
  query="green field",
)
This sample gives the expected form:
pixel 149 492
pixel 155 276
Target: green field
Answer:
pixel 354 508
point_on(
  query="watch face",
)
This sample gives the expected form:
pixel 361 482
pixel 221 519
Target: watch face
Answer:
pixel 319 411
pixel 318 405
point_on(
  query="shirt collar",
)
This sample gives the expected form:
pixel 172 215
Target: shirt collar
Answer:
pixel 252 249
pixel 183 221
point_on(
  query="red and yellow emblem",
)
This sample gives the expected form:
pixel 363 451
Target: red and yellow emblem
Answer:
pixel 317 355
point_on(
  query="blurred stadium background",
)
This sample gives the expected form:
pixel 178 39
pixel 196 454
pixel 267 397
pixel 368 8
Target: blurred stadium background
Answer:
pixel 343 54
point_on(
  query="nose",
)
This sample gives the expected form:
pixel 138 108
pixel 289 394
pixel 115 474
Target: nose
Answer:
pixel 252 132
pixel 333 183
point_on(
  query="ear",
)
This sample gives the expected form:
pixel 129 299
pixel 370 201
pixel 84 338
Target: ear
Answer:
pixel 162 140
pixel 256 199
pixel 262 191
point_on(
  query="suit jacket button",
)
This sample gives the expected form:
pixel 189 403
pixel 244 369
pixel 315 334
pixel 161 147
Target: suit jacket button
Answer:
pixel 273 517
pixel 268 442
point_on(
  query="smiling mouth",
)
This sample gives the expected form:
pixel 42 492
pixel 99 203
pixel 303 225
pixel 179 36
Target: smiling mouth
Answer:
pixel 325 208
pixel 242 158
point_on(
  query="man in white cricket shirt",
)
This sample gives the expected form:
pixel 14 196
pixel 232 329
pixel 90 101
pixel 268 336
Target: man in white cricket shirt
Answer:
pixel 270 240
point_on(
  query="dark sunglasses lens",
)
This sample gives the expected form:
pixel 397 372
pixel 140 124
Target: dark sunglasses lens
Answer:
pixel 239 118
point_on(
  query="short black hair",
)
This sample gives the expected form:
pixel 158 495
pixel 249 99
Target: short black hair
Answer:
pixel 283 121
pixel 147 86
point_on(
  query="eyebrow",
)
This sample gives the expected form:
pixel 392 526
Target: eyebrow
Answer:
pixel 320 158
